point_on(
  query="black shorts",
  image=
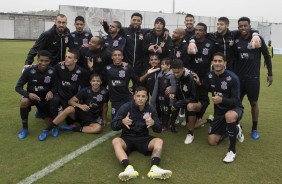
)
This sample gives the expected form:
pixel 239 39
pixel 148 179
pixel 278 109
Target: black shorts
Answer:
pixel 251 88
pixel 43 107
pixel 86 118
pixel 137 143
pixel 219 125
pixel 205 102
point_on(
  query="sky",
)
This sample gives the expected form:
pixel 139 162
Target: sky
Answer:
pixel 259 10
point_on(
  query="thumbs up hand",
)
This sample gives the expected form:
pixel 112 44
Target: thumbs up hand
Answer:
pixel 127 121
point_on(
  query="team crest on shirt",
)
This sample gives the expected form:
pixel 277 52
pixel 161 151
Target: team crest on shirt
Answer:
pixel 99 98
pixel 121 74
pixel 33 71
pixel 146 115
pixel 210 76
pixel 178 54
pixel 205 51
pixel 99 59
pixel 66 39
pixel 74 77
pixel 224 85
pixel 185 88
pixel 115 43
pixel 47 79
pixel 103 92
pixel 228 78
pixel 162 44
pixel 141 37
pixel 208 45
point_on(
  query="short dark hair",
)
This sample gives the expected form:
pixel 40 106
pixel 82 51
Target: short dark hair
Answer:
pixel 117 49
pixel 117 23
pixel 176 64
pixel 74 52
pixel 223 19
pixel 219 54
pixel 61 15
pixel 189 15
pixel 44 53
pixel 137 15
pixel 244 19
pixel 95 75
pixel 166 61
pixel 140 88
pixel 204 25
pixel 79 18
pixel 154 54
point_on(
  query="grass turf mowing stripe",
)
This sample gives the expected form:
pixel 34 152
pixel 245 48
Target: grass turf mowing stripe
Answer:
pixel 52 167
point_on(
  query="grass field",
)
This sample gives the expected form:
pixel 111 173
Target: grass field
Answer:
pixel 256 162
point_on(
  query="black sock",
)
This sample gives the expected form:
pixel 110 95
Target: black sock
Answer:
pixel 255 125
pixel 155 161
pixel 77 129
pixel 51 126
pixel 24 115
pixel 232 132
pixel 125 163
pixel 190 132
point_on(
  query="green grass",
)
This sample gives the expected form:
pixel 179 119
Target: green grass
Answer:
pixel 256 162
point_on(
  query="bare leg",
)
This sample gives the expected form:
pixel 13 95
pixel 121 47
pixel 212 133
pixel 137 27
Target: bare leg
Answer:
pixel 93 128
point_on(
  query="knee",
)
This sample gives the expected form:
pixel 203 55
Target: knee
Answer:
pixel 25 102
pixel 69 110
pixel 194 107
pixel 116 141
pixel 212 141
pixel 231 116
pixel 254 104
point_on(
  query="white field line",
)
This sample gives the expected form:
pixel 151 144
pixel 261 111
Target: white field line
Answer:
pixel 52 167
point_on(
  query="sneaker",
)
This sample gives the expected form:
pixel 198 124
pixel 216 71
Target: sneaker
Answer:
pixel 230 156
pixel 159 173
pixel 67 128
pixel 43 135
pixel 181 113
pixel 189 139
pixel 177 121
pixel 23 133
pixel 55 131
pixel 255 134
pixel 211 117
pixel 128 173
pixel 240 136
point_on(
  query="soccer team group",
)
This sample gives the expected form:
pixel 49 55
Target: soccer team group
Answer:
pixel 73 86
